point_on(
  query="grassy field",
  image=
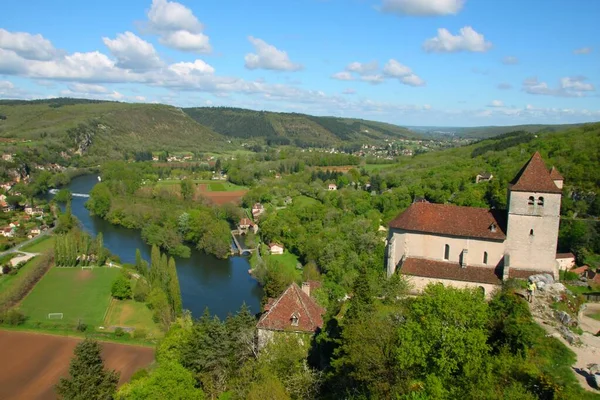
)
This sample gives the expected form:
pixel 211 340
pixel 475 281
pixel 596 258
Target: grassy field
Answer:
pixel 130 313
pixel 8 280
pixel 39 246
pixel 304 201
pixel 78 294
pixel 289 262
pixel 210 185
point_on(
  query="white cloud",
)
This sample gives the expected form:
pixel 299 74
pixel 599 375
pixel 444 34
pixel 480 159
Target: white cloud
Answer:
pixel 177 27
pixel 362 68
pixel 28 46
pixel 268 57
pixel 496 103
pixel 165 16
pixel 87 88
pixel 504 86
pixel 510 60
pixel 569 87
pixel 187 41
pixel 583 50
pixel 140 98
pixel 467 40
pixel 132 52
pixel 349 91
pixel 343 76
pixel 197 67
pixel 395 69
pixel 576 84
pixel 374 79
pixel 422 7
pixel 6 85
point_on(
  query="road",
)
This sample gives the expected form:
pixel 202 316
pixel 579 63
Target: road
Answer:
pixel 25 243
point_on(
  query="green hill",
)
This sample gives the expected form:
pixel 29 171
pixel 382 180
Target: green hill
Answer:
pixel 483 132
pixel 292 128
pixel 105 128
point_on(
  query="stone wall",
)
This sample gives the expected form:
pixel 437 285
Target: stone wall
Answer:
pixel 419 283
pixel 533 231
pixel 424 245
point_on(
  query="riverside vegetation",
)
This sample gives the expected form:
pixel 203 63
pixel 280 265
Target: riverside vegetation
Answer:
pixel 447 343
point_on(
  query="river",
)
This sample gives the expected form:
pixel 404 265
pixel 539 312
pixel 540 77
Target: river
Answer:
pixel 220 285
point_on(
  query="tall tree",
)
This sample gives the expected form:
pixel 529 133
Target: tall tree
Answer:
pixel 154 265
pixel 187 189
pixel 174 290
pixel 139 265
pixel 88 378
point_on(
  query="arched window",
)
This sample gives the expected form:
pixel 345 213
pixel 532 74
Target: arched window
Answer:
pixel 531 232
pixel 485 256
pixel 295 318
pixel 531 200
pixel 541 201
pixel 447 252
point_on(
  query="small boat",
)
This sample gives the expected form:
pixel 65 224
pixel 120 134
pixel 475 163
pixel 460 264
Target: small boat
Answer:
pixel 99 179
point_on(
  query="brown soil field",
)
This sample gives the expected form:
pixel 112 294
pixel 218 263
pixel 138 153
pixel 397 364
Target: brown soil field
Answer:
pixel 31 363
pixel 225 197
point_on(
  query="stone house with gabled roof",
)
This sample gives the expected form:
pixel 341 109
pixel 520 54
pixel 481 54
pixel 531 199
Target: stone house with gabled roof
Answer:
pixel 294 312
pixel 477 247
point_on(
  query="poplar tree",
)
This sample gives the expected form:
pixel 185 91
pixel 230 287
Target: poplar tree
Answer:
pixel 164 273
pixel 139 266
pixel 174 289
pixel 154 265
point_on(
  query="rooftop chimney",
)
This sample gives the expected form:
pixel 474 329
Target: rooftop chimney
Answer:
pixel 306 288
pixel 463 258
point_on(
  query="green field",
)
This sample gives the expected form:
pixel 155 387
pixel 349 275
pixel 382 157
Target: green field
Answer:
pixel 40 245
pixel 289 262
pixel 10 282
pixel 210 185
pixel 78 294
pixel 130 313
pixel 304 201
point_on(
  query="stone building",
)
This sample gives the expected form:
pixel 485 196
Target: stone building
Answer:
pixel 477 247
pixel 295 312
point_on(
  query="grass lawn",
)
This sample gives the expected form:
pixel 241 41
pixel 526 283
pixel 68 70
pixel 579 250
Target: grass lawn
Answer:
pixel 217 187
pixel 289 262
pixel 130 313
pixel 377 167
pixel 78 294
pixel 10 280
pixel 580 289
pixel 595 316
pixel 39 246
pixel 304 201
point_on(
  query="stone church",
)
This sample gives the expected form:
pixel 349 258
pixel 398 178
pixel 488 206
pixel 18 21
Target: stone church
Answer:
pixel 477 247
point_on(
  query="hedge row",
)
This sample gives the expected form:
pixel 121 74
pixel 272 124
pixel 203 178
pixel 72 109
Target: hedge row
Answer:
pixel 25 281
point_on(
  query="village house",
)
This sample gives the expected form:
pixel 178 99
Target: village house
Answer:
pixel 31 210
pixel 8 208
pixel 288 200
pixel 565 261
pixel 257 210
pixel 6 186
pixel 7 232
pixel 294 312
pixel 332 186
pixel 34 232
pixel 477 247
pixel 245 225
pixel 7 157
pixel 485 177
pixel 276 248
pixel 14 224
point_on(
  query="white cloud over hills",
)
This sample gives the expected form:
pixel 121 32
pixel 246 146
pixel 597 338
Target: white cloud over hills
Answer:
pixel 466 40
pixel 267 56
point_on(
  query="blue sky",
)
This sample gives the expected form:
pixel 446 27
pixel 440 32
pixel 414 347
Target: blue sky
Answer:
pixel 410 62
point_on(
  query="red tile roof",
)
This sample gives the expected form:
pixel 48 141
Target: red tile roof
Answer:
pixel 278 314
pixel 523 273
pixel 580 270
pixel 534 177
pixel 446 219
pixel 564 255
pixel 246 221
pixel 555 175
pixel 449 270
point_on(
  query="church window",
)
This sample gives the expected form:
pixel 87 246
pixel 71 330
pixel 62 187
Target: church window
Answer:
pixel 447 252
pixel 531 232
pixel 541 201
pixel 485 257
pixel 493 227
pixel 531 200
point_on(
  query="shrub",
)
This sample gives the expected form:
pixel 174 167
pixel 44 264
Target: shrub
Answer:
pixel 6 269
pixel 15 293
pixel 119 332
pixel 139 374
pixel 141 291
pixel 121 288
pixel 12 317
pixel 568 276
pixel 81 327
pixel 140 333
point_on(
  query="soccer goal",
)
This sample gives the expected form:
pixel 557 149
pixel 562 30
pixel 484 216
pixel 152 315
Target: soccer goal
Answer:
pixel 87 267
pixel 55 315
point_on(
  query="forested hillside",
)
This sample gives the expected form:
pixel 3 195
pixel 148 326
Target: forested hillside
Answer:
pixel 105 129
pixel 485 132
pixel 291 128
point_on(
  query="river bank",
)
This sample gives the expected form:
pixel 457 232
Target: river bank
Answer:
pixel 222 286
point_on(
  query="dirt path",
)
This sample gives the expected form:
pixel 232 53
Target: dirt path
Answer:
pixel 33 363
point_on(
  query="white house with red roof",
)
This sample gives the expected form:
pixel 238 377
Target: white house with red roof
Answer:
pixel 276 248
pixel 477 247
pixel 294 312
